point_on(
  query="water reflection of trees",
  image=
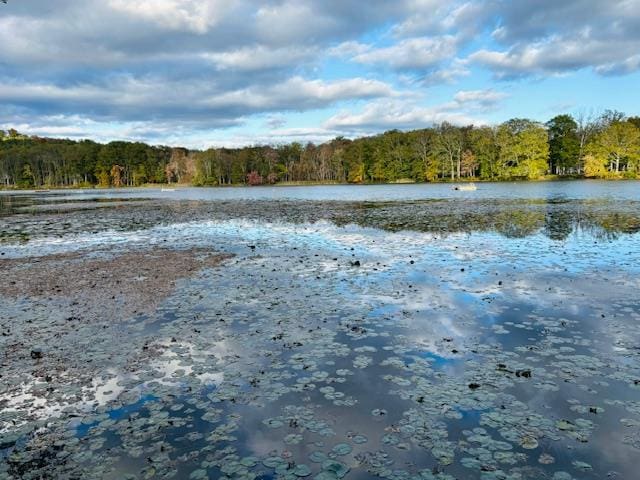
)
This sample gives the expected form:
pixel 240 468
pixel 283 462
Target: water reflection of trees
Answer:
pixel 555 220
pixel 10 204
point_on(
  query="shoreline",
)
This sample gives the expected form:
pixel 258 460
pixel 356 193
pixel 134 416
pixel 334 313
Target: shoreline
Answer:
pixel 315 184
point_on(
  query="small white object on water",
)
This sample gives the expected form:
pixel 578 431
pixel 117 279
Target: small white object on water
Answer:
pixel 470 187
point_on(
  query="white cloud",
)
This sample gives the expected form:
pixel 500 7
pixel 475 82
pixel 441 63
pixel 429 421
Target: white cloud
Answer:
pixel 400 114
pixel 409 54
pixel 437 17
pixel 450 73
pixel 299 94
pixel 557 55
pixel 550 37
pixel 128 98
pixel 260 57
pixel 349 49
pixel 628 65
pixel 480 97
pixel 196 16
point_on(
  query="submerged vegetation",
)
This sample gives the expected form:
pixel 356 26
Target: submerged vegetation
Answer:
pixel 604 147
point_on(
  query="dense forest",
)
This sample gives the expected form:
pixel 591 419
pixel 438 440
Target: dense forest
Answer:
pixel 606 146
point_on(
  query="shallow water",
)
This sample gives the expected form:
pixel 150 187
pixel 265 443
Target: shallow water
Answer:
pixel 397 332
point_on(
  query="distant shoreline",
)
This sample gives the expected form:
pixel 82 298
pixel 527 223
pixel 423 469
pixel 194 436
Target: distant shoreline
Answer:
pixel 572 178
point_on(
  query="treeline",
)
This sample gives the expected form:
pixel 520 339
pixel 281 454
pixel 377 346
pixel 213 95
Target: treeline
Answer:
pixel 606 146
pixel 36 162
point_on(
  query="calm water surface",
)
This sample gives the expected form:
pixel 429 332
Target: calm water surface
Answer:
pixel 584 189
pixel 399 332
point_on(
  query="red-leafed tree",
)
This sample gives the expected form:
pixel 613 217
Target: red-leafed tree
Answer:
pixel 254 178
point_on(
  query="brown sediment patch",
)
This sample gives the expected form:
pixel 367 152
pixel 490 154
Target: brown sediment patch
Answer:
pixel 72 321
pixel 113 286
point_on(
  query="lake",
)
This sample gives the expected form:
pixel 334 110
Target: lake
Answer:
pixel 403 332
pixel 583 189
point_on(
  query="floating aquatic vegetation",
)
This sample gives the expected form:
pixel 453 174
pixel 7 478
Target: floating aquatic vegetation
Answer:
pixel 546 459
pixel 293 439
pixel 342 449
pixel 529 443
pixel 583 466
pixel 332 467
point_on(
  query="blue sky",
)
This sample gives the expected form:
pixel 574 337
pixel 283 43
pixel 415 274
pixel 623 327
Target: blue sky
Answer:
pixel 206 73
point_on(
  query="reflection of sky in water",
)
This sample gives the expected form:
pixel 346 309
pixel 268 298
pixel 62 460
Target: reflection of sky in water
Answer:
pixel 428 324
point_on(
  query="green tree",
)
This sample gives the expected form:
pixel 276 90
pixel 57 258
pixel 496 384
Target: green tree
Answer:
pixel 140 175
pixel 635 121
pixel 482 143
pixel 448 147
pixel 104 179
pixel 609 117
pixel 588 127
pixel 564 145
pixel 523 149
pixel 618 147
pixel 426 166
pixel 27 179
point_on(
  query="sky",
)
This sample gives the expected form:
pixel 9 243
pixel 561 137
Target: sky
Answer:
pixel 207 73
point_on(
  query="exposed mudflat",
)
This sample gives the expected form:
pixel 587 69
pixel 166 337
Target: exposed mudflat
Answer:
pixel 57 304
pixel 103 286
pixel 406 340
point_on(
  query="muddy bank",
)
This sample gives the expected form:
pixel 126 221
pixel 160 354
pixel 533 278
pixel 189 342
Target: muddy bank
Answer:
pixel 108 285
pixel 69 320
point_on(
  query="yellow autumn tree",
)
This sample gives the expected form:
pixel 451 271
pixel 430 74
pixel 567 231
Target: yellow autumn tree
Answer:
pixel 594 167
pixel 116 175
pixel 617 147
pixel 104 180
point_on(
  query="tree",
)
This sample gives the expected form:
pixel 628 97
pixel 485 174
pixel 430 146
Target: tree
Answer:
pixel 139 175
pixel 448 145
pixel 469 164
pixel 609 117
pixel 618 147
pixel 116 175
pixel 594 167
pixel 523 149
pixel 482 142
pixel 635 121
pixel 426 166
pixel 587 128
pixel 27 176
pixel 254 178
pixel 103 179
pixel 564 144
